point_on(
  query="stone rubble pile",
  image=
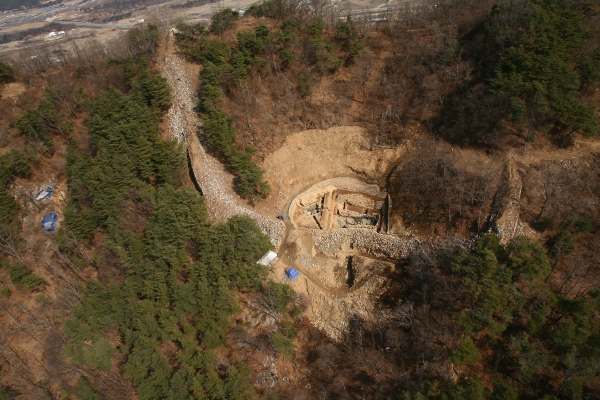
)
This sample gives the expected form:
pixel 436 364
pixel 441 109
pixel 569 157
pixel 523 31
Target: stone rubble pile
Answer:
pixel 183 100
pixel 334 241
pixel 220 200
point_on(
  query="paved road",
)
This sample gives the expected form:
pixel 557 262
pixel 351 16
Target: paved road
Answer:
pixel 386 9
pixel 91 25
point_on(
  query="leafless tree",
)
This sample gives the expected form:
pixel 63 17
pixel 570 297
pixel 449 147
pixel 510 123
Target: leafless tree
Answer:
pixel 10 241
pixel 552 181
pixel 403 315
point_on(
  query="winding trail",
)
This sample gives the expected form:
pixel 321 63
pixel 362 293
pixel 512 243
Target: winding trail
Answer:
pixel 184 125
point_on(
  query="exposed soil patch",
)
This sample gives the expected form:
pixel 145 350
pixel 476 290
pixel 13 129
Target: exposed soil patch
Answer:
pixel 315 155
pixel 12 90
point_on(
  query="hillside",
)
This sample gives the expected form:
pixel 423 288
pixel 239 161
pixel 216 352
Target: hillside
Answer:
pixel 429 174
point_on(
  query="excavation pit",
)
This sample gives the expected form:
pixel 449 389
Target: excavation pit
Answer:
pixel 328 207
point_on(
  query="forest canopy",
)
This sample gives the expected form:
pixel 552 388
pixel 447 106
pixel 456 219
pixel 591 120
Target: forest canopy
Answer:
pixel 535 68
pixel 165 297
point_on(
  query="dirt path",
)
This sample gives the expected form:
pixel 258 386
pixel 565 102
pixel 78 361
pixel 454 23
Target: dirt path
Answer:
pixel 581 148
pixel 184 124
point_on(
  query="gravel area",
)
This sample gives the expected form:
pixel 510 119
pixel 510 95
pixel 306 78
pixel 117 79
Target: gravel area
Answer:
pixel 216 184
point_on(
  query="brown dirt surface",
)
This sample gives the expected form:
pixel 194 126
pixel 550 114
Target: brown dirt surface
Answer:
pixel 12 90
pixel 31 321
pixel 314 155
pixel 308 160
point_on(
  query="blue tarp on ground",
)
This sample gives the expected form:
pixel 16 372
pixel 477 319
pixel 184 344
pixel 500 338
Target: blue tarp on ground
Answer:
pixel 49 222
pixel 292 274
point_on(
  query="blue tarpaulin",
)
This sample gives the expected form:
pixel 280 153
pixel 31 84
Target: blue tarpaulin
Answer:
pixel 49 222
pixel 292 274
